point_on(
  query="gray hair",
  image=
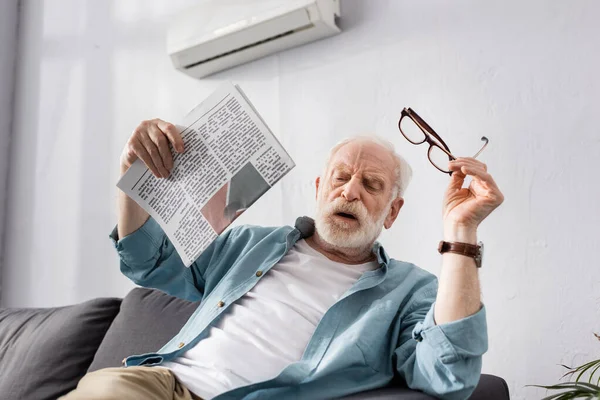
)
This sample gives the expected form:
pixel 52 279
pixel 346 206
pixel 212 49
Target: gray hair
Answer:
pixel 403 170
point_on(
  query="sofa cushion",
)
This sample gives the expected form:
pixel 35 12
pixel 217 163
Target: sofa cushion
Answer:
pixel 148 319
pixel 45 351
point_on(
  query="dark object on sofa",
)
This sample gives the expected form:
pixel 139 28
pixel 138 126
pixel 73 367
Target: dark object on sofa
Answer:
pixel 44 352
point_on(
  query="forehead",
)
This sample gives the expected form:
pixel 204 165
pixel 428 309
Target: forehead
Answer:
pixel 364 157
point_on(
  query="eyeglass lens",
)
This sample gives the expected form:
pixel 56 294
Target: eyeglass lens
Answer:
pixel 412 131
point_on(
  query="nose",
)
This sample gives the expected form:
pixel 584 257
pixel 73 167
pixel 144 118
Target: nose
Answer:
pixel 351 190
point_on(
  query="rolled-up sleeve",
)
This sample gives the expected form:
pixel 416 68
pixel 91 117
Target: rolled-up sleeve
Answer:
pixel 149 259
pixel 142 244
pixel 441 360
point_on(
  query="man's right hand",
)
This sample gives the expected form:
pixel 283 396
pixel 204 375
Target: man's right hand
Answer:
pixel 150 142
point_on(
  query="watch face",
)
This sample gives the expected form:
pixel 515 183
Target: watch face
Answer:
pixel 480 258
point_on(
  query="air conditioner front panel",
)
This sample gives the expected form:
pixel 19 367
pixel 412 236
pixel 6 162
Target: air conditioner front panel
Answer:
pixel 318 31
pixel 219 34
pixel 217 18
pixel 295 20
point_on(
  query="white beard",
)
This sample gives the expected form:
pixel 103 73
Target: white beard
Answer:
pixel 342 234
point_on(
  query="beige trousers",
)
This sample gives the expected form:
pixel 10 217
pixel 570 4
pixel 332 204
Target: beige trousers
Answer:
pixel 131 383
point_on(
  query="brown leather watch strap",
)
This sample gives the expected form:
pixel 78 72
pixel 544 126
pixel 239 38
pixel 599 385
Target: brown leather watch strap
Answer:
pixel 466 249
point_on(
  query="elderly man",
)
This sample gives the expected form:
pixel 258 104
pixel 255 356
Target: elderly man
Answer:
pixel 314 311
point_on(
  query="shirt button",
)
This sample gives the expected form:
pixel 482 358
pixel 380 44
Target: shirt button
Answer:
pixel 181 345
pixel 220 303
pixel 258 273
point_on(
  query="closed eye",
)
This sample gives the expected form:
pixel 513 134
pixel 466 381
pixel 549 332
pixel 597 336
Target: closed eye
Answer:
pixel 341 178
pixel 373 185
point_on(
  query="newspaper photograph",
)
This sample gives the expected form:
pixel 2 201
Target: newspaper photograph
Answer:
pixel 231 159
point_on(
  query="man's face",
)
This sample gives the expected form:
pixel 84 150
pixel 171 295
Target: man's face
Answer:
pixel 354 198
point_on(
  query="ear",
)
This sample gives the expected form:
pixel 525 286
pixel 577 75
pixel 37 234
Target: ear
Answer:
pixel 393 213
pixel 317 181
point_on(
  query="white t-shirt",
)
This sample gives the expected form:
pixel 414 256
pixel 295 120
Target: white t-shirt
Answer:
pixel 269 327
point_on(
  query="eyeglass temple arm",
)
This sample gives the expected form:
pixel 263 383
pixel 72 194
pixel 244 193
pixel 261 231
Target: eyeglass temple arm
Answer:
pixel 426 128
pixel 486 140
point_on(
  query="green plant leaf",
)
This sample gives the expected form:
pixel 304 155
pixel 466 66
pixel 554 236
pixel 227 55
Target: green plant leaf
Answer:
pixel 586 367
pixel 582 369
pixel 593 372
pixel 576 389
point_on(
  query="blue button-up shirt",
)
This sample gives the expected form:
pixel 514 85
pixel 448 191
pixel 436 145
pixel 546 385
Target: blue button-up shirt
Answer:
pixel 382 327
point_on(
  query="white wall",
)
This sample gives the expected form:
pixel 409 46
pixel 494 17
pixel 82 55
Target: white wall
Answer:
pixel 8 43
pixel 525 74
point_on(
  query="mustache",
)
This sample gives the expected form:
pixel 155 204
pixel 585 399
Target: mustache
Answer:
pixel 355 208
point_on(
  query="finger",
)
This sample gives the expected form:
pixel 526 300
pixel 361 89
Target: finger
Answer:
pixel 487 182
pixel 457 179
pixel 142 153
pixel 454 167
pixel 482 175
pixel 162 143
pixel 479 175
pixel 172 134
pixel 154 154
pixel 469 161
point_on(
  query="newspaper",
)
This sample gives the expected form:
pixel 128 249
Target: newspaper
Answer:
pixel 230 159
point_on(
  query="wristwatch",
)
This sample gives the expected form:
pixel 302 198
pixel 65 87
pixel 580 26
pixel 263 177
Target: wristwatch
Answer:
pixel 465 249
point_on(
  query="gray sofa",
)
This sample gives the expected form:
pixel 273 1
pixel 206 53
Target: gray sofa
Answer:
pixel 44 352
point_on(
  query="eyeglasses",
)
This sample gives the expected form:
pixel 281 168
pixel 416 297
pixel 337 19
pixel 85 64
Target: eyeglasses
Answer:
pixel 417 131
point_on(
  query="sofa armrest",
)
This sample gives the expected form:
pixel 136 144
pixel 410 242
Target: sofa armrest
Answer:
pixel 490 387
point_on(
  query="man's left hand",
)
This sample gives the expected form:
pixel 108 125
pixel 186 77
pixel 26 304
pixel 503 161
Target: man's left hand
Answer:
pixel 465 208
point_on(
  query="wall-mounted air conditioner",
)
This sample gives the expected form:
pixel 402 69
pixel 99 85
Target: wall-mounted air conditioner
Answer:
pixel 219 34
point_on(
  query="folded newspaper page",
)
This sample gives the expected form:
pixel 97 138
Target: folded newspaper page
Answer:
pixel 230 159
